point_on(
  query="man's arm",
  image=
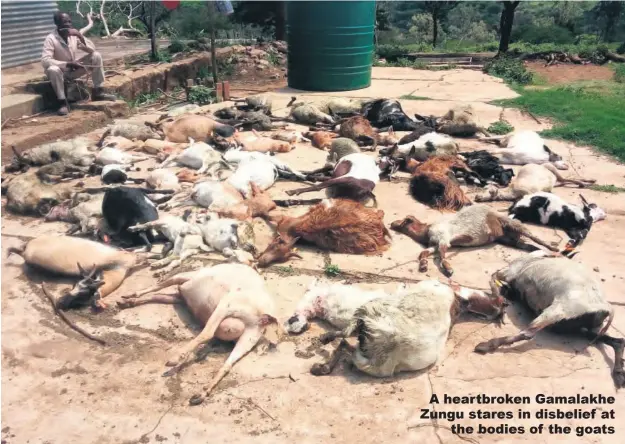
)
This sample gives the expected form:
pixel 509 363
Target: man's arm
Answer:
pixel 47 55
pixel 86 46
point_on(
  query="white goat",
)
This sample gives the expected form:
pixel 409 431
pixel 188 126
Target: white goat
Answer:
pixel 236 156
pixel 565 296
pixel 426 146
pixel 408 333
pixel 331 302
pixel 109 156
pixel 523 147
pixel 199 156
pixel 230 300
pixel 531 178
pixel 263 173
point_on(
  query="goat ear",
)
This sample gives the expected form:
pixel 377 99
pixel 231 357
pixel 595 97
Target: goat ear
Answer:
pixel 412 151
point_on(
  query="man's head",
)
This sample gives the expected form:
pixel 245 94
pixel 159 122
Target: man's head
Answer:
pixel 63 21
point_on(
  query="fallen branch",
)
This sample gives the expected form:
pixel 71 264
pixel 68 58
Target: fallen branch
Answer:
pixel 68 321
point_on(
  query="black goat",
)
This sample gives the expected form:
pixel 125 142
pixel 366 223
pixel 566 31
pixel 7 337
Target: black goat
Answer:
pixel 123 207
pixel 385 113
pixel 487 167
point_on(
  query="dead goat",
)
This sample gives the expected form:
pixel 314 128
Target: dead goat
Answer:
pixel 199 156
pixel 385 113
pixel 177 111
pixel 523 147
pixel 255 142
pixel 321 139
pixel 307 113
pixel 408 333
pixel 474 226
pixel 260 102
pixel 83 211
pixel 359 130
pixel 531 178
pixel 60 171
pixel 332 302
pixel 548 209
pixel 433 183
pixel 194 127
pixel 354 177
pixel 258 204
pixel 425 147
pixel 72 152
pixel 230 300
pixel 289 136
pixel 248 120
pixel 338 225
pixel 460 121
pixel 108 156
pixel 236 156
pixel 27 194
pixel 565 296
pixel 487 166
pixel 129 130
pixel 70 256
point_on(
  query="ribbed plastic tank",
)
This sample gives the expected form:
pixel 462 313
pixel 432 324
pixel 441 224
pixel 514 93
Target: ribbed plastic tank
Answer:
pixel 330 44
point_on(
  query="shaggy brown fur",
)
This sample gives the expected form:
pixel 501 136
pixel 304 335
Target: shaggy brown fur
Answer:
pixel 360 130
pixel 433 183
pixel 343 226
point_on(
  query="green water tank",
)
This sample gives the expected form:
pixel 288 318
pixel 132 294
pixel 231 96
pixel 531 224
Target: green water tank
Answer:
pixel 330 44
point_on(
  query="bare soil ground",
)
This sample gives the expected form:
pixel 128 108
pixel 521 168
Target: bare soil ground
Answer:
pixel 566 73
pixel 59 388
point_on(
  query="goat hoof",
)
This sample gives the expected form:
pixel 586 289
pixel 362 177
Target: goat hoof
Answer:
pixel 320 369
pixel 484 347
pixel 423 268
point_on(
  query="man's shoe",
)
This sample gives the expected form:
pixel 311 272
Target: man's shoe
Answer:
pixel 97 94
pixel 63 111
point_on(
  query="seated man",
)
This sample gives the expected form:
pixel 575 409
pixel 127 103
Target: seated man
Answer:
pixel 59 60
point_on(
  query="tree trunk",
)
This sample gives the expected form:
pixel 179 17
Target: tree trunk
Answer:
pixel 505 25
pixel 434 28
pixel 213 16
pixel 152 30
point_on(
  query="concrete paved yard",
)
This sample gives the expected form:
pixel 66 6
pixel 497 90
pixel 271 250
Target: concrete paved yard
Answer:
pixel 59 388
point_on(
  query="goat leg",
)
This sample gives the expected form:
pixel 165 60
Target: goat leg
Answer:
pixel 618 345
pixel 323 170
pixel 178 279
pixel 321 186
pixel 512 225
pixel 291 202
pixel 547 318
pixel 325 368
pixel 445 265
pixel 423 259
pixel 154 299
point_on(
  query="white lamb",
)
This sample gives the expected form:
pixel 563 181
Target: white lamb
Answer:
pixel 523 147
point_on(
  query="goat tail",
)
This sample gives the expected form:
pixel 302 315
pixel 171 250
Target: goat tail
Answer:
pixel 104 136
pixel 16 250
pixel 605 327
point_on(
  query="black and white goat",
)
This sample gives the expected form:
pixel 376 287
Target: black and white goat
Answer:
pixel 551 210
pixel 385 113
pixel 354 177
pixel 488 167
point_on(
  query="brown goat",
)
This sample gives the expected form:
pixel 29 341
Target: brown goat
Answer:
pixel 433 183
pixel 338 225
pixel 260 204
pixel 359 130
pixel 321 139
pixel 193 126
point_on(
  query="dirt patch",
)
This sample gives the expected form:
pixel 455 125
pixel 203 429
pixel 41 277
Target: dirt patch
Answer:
pixel 565 73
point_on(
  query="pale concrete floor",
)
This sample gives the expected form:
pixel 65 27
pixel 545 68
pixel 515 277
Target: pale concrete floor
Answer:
pixel 58 388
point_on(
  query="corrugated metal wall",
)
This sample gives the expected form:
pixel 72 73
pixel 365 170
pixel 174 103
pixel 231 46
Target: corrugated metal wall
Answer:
pixel 25 25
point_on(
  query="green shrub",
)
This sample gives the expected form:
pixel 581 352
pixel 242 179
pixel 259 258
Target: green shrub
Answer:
pixel 177 46
pixel 509 69
pixel 619 73
pixel 500 128
pixel 621 49
pixel 201 95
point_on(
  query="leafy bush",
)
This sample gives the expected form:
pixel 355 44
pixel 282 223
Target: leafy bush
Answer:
pixel 500 128
pixel 201 95
pixel 543 34
pixel 509 69
pixel 621 49
pixel 619 73
pixel 177 46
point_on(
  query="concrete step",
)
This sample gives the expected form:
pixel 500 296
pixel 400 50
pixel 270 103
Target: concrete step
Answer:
pixel 15 106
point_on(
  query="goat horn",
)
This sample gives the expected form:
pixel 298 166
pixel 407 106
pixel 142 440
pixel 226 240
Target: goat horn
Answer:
pixel 583 200
pixel 81 270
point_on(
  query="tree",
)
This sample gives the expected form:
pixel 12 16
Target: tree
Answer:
pixel 438 10
pixel 266 14
pixel 151 14
pixel 610 14
pixel 505 25
pixel 382 19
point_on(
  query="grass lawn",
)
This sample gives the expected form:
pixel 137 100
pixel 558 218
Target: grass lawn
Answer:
pixel 587 113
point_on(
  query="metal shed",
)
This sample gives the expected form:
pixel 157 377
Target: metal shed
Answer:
pixel 25 25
